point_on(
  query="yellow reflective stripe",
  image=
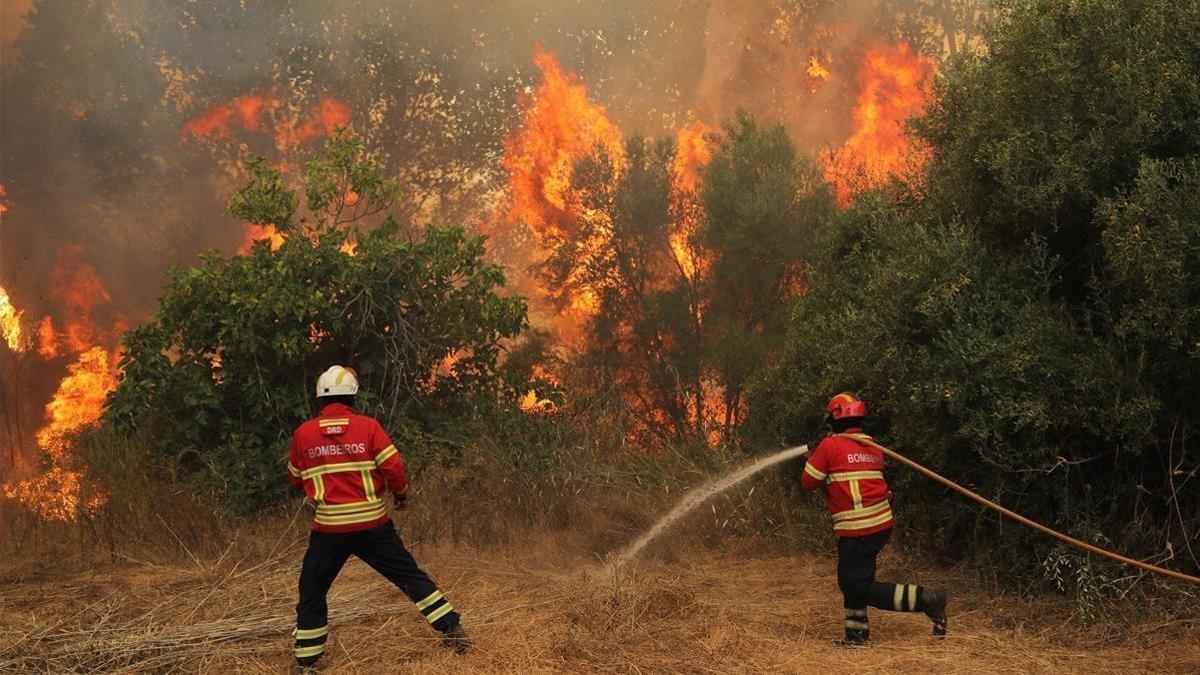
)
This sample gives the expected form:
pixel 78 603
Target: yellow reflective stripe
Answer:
pixel 857 625
pixel 855 475
pixel 334 422
pixel 912 597
pixel 863 512
pixel 439 612
pixel 302 652
pixel 318 489
pixel 334 509
pixel 293 470
pixel 336 468
pixel 898 598
pixel 310 633
pixel 359 517
pixel 856 493
pixel 368 484
pixel 341 376
pixel 432 598
pixel 863 524
pixel 385 454
pixel 814 471
pixel 856 613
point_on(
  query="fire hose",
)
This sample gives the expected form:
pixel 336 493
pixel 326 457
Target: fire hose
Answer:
pixel 869 442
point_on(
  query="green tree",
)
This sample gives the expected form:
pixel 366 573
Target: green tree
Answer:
pixel 762 201
pixel 224 371
pixel 1028 327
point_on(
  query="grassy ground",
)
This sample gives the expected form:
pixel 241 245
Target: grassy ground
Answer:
pixel 544 604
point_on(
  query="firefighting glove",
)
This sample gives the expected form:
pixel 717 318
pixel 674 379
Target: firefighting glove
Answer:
pixel 401 501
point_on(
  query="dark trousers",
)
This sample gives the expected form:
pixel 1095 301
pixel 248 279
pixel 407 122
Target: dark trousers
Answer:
pixel 856 579
pixel 380 548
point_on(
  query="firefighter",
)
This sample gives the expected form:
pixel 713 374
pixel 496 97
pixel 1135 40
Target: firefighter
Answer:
pixel 345 463
pixel 856 494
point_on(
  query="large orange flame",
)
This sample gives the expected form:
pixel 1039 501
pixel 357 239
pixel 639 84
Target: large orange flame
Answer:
pixel 61 493
pixel 894 87
pixel 10 322
pixel 559 127
pixel 79 401
pixel 692 153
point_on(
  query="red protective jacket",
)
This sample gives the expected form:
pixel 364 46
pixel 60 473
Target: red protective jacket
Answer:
pixel 344 463
pixel 855 491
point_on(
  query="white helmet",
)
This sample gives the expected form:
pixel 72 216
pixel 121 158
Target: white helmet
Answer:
pixel 337 381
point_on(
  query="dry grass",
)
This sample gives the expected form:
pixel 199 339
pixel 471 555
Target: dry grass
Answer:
pixel 543 605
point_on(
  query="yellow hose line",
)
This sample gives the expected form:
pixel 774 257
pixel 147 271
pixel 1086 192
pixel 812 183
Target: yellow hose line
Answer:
pixel 866 440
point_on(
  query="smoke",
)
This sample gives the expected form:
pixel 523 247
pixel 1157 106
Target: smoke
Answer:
pixel 95 158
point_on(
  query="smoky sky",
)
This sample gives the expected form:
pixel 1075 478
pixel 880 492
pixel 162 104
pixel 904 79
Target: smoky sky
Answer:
pixel 95 96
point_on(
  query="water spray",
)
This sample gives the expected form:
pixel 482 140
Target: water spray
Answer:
pixel 697 497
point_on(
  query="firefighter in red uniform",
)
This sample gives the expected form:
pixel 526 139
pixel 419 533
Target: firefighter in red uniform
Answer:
pixel 857 496
pixel 345 463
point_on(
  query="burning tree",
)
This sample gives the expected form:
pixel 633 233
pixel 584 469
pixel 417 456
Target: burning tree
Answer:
pixel 692 249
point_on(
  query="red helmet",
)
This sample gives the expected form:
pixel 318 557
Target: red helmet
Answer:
pixel 846 405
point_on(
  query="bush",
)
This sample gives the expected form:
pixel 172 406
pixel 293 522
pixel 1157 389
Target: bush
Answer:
pixel 224 372
pixel 1029 327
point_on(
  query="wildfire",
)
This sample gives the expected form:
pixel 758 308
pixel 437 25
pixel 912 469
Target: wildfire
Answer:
pixel 60 493
pixel 894 86
pixel 79 401
pixel 816 70
pixel 81 290
pixel 693 152
pixel 47 338
pixel 531 403
pixel 10 322
pixel 253 112
pixel 560 126
pixel 258 232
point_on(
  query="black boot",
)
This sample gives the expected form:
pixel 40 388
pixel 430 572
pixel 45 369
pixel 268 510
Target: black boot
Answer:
pixel 858 630
pixel 456 638
pixel 935 608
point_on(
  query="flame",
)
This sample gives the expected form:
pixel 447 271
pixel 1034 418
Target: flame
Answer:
pixel 816 70
pixel 47 338
pixel 57 494
pixel 693 152
pixel 212 122
pixel 559 127
pixel 10 323
pixel 258 232
pixel 79 401
pixel 894 86
pixel 330 114
pixel 529 401
pixel 249 113
pixel 60 493
pixel 79 288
